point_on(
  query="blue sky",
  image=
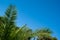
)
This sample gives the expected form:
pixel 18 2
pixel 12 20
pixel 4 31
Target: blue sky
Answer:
pixel 36 13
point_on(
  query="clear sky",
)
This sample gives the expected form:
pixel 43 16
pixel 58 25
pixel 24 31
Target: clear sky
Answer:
pixel 36 13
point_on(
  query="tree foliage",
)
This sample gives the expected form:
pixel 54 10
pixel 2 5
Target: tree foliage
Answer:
pixel 9 30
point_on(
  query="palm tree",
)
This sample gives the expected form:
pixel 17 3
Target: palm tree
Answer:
pixel 9 30
pixel 7 23
pixel 44 34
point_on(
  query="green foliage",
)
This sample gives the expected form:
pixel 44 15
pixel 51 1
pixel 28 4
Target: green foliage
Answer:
pixel 9 30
